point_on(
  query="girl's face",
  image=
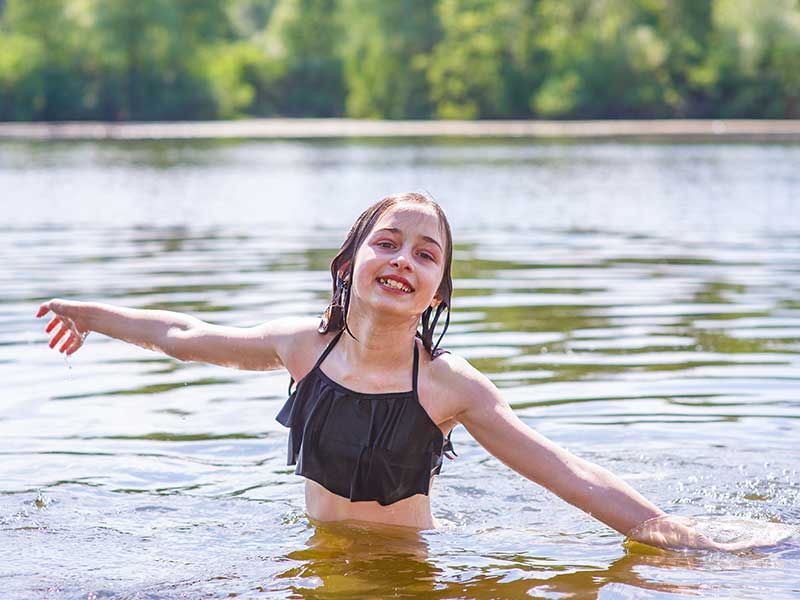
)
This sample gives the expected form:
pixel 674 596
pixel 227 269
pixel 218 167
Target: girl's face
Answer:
pixel 400 264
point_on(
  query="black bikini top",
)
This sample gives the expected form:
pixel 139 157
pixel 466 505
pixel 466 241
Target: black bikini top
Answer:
pixel 382 447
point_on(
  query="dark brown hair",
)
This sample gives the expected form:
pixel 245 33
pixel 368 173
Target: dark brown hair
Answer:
pixel 335 316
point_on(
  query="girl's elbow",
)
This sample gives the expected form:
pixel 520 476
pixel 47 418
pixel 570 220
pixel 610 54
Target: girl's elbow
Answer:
pixel 181 343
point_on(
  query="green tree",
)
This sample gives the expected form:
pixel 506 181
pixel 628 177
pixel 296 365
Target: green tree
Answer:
pixel 686 27
pixel 605 59
pixel 41 61
pixel 151 57
pixel 753 66
pixel 23 84
pixel 467 68
pixel 303 37
pixel 243 79
pixel 386 50
pixel 178 59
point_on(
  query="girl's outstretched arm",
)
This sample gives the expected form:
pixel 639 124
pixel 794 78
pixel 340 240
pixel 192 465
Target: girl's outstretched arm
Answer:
pixel 593 489
pixel 181 336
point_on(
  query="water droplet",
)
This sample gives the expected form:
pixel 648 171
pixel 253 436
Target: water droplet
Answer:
pixel 69 368
pixel 41 501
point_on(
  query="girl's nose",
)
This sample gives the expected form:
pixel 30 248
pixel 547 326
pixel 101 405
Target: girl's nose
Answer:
pixel 400 262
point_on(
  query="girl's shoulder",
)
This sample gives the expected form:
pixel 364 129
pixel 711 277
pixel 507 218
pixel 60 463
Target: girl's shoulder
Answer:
pixel 453 380
pixel 303 342
pixel 448 368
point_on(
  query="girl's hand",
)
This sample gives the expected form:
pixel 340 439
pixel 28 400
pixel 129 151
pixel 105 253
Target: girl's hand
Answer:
pixel 672 532
pixel 682 533
pixel 69 321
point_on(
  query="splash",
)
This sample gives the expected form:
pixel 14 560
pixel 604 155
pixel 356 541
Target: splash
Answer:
pixel 733 533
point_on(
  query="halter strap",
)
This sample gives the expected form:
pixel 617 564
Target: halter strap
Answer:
pixel 336 339
pixel 328 349
pixel 416 369
pixel 322 356
pixel 332 343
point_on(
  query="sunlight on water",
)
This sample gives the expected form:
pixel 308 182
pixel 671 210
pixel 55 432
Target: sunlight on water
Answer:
pixel 636 303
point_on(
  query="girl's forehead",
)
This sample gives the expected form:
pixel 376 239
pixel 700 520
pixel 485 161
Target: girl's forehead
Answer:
pixel 411 220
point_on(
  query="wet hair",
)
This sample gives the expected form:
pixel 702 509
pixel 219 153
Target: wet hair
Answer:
pixel 335 316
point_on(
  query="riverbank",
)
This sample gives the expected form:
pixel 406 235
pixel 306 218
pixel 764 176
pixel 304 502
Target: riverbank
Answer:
pixel 756 130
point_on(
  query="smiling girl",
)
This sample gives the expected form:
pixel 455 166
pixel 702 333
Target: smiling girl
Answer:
pixel 376 399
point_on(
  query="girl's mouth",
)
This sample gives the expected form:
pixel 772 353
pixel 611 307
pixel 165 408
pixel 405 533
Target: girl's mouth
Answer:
pixel 394 285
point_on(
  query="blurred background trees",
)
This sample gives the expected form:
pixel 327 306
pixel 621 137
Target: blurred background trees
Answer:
pixel 206 59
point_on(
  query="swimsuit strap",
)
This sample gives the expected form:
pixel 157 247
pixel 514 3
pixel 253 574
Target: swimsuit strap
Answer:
pixel 416 370
pixel 332 343
pixel 322 356
pixel 328 349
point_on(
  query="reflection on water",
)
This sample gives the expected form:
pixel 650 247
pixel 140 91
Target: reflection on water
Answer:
pixel 360 561
pixel 349 561
pixel 367 561
pixel 657 334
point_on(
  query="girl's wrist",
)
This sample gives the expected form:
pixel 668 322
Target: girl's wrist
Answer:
pixel 82 314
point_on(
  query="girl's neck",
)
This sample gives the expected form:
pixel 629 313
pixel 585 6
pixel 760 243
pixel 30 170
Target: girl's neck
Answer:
pixel 380 343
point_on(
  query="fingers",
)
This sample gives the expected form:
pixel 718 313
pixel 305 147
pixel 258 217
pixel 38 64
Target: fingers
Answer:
pixel 73 340
pixel 71 344
pixel 53 322
pixel 76 345
pixel 67 343
pixel 64 329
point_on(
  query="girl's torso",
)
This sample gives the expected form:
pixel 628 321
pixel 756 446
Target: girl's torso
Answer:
pixel 315 365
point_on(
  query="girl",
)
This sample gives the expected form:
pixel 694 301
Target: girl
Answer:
pixel 376 399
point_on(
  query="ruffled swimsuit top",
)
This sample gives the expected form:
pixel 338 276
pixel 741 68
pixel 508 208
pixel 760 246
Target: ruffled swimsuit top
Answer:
pixel 380 447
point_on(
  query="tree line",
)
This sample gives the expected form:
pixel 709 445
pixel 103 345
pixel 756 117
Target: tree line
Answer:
pixel 396 59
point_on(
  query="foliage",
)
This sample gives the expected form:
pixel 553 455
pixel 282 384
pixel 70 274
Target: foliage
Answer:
pixel 466 67
pixel 242 79
pixel 303 38
pixel 385 50
pixel 198 59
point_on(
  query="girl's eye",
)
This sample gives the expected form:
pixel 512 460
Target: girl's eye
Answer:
pixel 426 256
pixel 385 244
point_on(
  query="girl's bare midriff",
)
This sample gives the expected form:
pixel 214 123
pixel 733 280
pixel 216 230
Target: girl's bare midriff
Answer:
pixel 325 506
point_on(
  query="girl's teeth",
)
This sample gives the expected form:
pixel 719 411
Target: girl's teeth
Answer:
pixel 394 284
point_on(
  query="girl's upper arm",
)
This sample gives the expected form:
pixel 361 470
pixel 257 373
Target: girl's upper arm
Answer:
pixel 260 348
pixel 489 419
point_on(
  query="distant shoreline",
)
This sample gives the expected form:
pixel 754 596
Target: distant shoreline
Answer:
pixel 677 129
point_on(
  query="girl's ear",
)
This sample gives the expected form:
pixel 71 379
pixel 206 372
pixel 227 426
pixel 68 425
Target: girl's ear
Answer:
pixel 437 300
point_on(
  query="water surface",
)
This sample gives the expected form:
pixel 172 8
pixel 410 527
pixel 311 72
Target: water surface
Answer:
pixel 637 303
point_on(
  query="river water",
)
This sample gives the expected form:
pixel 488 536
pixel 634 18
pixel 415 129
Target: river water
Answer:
pixel 638 303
